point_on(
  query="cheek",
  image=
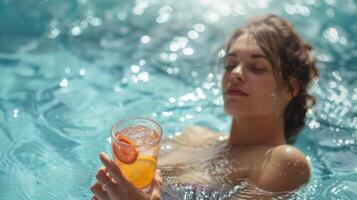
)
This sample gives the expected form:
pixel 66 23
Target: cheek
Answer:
pixel 263 86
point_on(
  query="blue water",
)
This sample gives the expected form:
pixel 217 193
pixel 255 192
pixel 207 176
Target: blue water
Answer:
pixel 70 69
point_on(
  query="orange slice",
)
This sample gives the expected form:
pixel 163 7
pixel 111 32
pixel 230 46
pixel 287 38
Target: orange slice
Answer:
pixel 140 173
pixel 125 153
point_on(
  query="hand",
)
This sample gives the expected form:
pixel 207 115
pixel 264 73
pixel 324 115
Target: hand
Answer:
pixel 116 187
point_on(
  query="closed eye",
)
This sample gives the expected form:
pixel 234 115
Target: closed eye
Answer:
pixel 229 68
pixel 257 70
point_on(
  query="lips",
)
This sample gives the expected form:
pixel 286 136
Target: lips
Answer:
pixel 236 92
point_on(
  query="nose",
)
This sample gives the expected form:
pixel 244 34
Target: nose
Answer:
pixel 237 73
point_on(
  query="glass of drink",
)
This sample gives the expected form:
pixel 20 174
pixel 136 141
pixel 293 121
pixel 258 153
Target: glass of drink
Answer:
pixel 136 146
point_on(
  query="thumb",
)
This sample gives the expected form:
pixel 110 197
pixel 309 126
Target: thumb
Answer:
pixel 155 195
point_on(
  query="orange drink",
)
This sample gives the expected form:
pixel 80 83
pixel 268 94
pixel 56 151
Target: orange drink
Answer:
pixel 136 147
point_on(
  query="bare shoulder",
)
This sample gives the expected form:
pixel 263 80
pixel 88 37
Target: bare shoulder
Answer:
pixel 198 136
pixel 282 168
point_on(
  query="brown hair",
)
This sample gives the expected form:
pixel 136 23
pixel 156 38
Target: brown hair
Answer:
pixel 290 57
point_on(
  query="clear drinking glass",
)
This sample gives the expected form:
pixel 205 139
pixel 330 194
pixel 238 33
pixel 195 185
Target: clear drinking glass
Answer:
pixel 136 147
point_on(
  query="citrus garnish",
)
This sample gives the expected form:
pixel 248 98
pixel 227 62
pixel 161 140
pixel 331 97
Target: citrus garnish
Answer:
pixel 141 172
pixel 125 153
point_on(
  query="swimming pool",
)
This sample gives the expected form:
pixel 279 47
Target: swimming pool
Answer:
pixel 70 69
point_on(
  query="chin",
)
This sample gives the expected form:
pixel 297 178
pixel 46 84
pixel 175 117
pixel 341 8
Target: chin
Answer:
pixel 233 110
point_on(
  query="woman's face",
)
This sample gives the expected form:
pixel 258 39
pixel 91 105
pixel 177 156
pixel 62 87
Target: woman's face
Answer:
pixel 249 86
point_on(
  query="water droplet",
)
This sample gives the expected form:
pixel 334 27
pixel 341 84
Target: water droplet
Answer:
pixel 174 46
pixel 84 24
pixel 76 31
pixel 331 34
pixel 192 35
pixel 212 16
pixel 172 57
pixel 145 39
pixel 172 100
pixel 199 27
pixel 67 70
pixel 124 81
pixel 188 51
pixel 188 116
pixel 142 62
pixel 135 69
pixel 176 70
pixel 64 83
pixel 54 33
pixel 15 113
pixel 82 72
pixel 308 158
pixel 167 114
pixel 143 76
pixel 95 21
pixel 162 18
pixel 38 182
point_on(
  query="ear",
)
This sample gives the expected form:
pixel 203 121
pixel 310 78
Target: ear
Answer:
pixel 290 93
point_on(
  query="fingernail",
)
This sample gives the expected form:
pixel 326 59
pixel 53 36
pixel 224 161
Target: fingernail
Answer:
pixel 104 158
pixel 102 155
pixel 101 170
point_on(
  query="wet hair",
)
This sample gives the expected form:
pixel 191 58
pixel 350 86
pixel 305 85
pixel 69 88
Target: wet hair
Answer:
pixel 290 57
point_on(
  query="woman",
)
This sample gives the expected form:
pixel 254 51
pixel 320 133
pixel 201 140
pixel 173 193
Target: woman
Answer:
pixel 268 69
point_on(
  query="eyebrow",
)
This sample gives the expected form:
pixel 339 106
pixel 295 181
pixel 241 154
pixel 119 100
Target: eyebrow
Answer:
pixel 254 56
pixel 258 56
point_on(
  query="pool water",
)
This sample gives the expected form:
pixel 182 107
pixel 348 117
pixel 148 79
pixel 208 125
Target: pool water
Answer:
pixel 71 69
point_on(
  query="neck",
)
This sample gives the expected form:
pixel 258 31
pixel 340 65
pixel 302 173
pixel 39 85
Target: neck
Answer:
pixel 252 131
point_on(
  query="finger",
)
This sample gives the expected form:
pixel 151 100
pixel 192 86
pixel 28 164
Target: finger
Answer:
pixel 108 185
pixel 157 178
pixel 102 177
pixel 98 192
pixel 157 185
pixel 112 168
pixel 106 172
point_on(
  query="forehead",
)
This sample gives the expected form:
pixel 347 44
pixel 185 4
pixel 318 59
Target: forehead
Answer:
pixel 245 43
